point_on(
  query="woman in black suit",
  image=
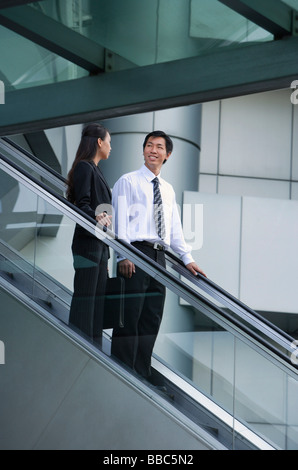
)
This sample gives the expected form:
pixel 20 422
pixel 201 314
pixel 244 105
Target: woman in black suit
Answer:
pixel 88 190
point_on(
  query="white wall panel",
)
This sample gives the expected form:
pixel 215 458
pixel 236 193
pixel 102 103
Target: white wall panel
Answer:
pixel 220 254
pixel 207 183
pixel 269 274
pixel 294 190
pixel 295 142
pixel 264 261
pixel 255 135
pixel 209 137
pixel 253 187
pixel 181 170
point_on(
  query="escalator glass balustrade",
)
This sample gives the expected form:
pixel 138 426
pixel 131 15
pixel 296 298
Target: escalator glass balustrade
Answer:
pixel 222 356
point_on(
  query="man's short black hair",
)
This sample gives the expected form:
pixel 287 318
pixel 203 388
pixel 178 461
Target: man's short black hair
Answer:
pixel 169 142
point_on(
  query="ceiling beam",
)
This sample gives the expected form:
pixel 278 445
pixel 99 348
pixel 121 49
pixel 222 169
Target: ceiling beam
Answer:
pixel 54 36
pixel 275 17
pixel 219 75
pixel 15 3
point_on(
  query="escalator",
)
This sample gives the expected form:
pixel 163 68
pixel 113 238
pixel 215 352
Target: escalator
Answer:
pixel 231 374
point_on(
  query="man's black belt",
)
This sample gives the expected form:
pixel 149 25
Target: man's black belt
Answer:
pixel 155 246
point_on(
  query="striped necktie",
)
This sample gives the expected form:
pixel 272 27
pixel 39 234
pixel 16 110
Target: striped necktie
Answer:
pixel 158 210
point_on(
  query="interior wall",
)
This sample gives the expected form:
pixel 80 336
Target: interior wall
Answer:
pixel 248 184
pixel 249 146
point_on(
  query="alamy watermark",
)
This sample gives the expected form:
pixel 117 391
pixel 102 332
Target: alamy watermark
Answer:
pixel 294 95
pixel 130 218
pixel 2 353
pixel 2 92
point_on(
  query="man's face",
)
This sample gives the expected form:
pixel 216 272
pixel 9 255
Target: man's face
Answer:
pixel 155 153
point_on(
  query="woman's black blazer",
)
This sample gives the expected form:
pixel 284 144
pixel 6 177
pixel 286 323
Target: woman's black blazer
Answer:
pixel 90 191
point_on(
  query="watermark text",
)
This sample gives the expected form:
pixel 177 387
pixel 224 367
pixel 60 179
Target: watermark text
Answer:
pixel 129 222
pixel 2 353
pixel 294 95
pixel 2 92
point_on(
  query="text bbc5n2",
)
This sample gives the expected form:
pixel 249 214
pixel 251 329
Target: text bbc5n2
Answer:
pixel 170 459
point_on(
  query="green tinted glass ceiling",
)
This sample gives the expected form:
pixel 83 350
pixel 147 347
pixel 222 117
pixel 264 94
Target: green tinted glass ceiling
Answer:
pixel 143 32
pixel 291 3
pixel 159 54
pixel 106 36
pixel 26 64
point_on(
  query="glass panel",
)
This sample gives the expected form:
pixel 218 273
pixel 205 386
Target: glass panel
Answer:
pixel 144 33
pixel 32 65
pixel 226 304
pixel 35 246
pixel 133 33
pixel 18 209
pixel 291 3
pixel 262 397
pixel 255 389
pixel 240 380
pixel 53 259
pixel 38 170
pixel 54 236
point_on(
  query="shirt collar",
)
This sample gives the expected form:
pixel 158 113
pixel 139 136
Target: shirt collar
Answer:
pixel 149 175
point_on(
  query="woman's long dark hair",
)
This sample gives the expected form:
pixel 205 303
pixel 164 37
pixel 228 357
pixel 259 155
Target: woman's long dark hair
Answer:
pixel 86 152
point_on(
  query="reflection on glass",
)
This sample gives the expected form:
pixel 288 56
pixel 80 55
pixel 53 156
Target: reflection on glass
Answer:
pixel 145 33
pixel 18 208
pixel 239 379
pixel 33 65
pixel 129 33
pixel 291 3
pixel 54 235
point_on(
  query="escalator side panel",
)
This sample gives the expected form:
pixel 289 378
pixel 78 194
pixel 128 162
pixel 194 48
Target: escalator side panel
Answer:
pixel 54 395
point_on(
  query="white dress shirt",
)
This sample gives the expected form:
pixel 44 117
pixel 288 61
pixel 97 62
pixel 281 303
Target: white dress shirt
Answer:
pixel 132 199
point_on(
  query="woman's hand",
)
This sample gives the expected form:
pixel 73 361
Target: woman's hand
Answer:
pixel 104 219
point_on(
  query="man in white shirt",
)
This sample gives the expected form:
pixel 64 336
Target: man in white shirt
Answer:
pixel 133 202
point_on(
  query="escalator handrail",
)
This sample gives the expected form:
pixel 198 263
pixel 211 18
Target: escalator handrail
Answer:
pixel 157 268
pixel 36 160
